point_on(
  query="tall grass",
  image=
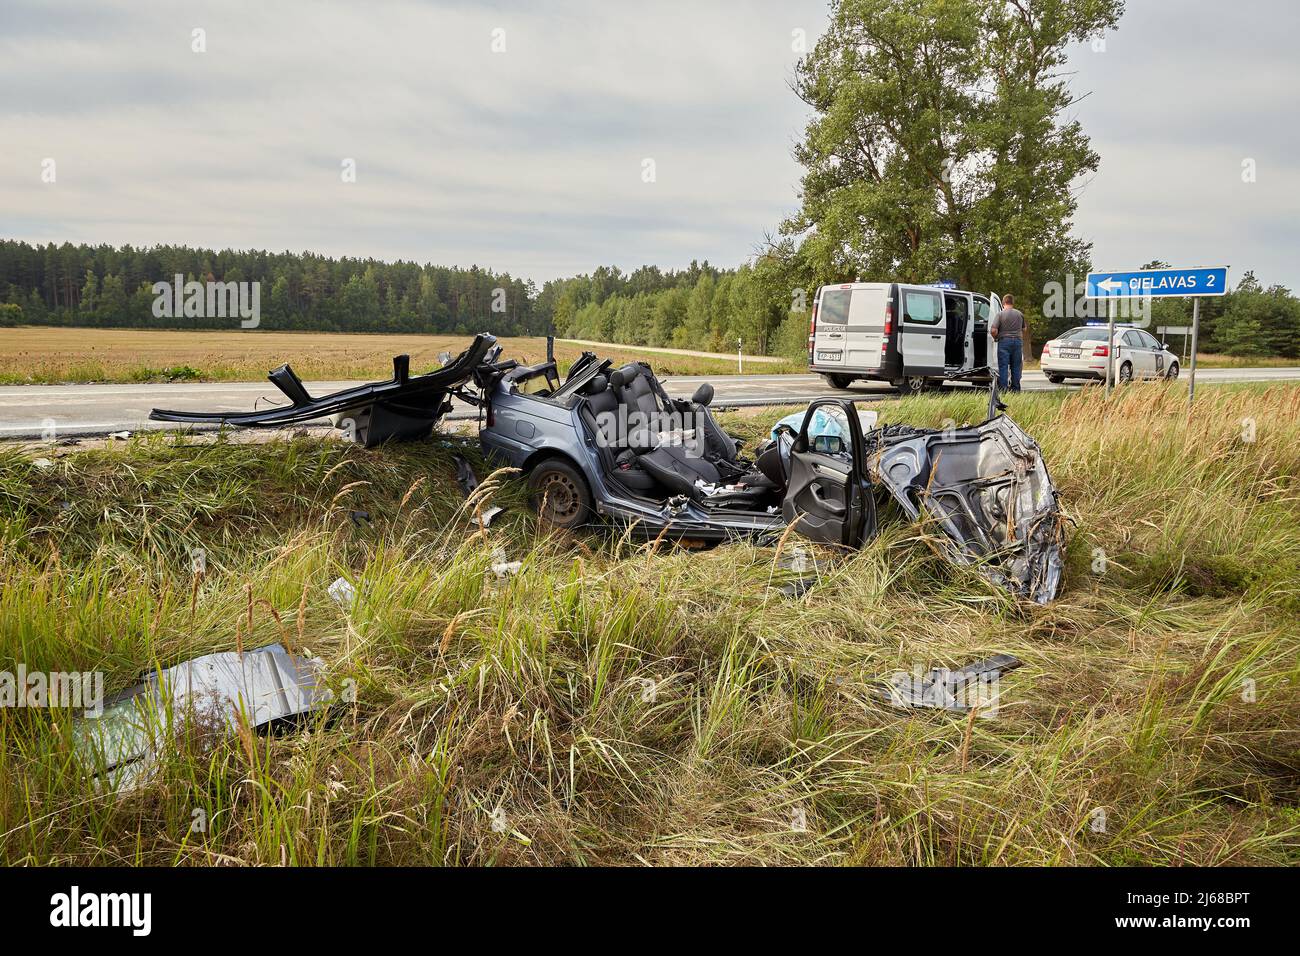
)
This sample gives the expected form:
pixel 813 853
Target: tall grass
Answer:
pixel 625 702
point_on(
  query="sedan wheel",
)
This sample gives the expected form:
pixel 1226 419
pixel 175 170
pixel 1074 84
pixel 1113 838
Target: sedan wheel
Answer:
pixel 1126 372
pixel 560 494
pixel 1173 371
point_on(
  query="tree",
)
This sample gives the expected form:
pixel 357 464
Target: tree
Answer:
pixel 939 148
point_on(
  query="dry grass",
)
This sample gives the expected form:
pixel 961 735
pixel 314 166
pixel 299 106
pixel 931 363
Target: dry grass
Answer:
pixel 610 705
pixel 40 355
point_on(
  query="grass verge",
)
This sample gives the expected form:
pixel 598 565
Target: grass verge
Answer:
pixel 622 702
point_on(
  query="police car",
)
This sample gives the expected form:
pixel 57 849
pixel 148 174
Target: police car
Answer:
pixel 1082 352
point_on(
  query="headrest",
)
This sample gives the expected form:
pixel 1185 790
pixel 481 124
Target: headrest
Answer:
pixel 597 385
pixel 617 378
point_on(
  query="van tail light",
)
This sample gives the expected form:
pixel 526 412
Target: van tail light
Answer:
pixel 1101 351
pixel 889 327
pixel 812 328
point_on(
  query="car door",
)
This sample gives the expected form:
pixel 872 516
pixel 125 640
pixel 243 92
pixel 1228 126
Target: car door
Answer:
pixel 1157 352
pixel 922 330
pixel 830 317
pixel 1137 354
pixel 828 497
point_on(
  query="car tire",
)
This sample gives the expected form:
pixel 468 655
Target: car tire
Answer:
pixel 1125 373
pixel 838 381
pixel 914 385
pixel 1055 379
pixel 1173 371
pixel 560 494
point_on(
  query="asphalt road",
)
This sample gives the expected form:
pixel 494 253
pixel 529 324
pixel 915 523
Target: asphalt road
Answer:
pixel 27 411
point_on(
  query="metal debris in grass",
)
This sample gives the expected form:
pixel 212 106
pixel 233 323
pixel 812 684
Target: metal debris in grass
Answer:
pixel 469 483
pixel 227 693
pixel 973 686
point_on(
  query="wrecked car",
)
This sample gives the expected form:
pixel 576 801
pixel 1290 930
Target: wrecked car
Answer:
pixel 613 443
pixel 610 443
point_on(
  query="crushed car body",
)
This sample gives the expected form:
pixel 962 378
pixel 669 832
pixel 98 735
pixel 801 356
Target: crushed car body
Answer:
pixel 989 492
pixel 605 442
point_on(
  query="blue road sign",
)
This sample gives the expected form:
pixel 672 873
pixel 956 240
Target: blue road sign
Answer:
pixel 1158 283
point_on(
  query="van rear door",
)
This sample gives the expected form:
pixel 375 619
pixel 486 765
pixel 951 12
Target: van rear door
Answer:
pixel 922 330
pixel 831 317
pixel 865 332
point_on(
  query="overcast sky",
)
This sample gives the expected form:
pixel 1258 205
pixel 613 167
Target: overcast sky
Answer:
pixel 531 160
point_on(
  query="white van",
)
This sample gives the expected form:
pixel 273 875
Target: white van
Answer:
pixel 908 335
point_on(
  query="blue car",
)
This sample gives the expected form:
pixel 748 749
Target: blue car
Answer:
pixel 606 443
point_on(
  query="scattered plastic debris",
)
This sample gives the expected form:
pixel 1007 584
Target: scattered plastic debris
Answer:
pixel 220 692
pixel 42 463
pixel 122 435
pixel 359 518
pixel 343 591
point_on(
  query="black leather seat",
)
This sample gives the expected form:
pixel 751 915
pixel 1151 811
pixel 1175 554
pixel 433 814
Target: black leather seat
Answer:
pixel 676 471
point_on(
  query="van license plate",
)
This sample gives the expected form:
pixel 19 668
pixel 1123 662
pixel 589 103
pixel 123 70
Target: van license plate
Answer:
pixel 829 356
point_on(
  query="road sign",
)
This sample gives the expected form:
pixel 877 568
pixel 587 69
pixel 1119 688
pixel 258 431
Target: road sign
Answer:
pixel 1158 283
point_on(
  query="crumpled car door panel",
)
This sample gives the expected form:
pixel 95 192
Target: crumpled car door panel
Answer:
pixel 989 491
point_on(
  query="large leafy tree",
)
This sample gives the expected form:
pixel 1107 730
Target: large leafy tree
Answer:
pixel 940 144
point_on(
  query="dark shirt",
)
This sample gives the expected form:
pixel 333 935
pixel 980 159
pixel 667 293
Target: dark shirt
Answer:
pixel 1009 323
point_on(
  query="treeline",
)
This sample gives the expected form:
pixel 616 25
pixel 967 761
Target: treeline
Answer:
pixel 701 307
pixel 107 286
pixel 763 306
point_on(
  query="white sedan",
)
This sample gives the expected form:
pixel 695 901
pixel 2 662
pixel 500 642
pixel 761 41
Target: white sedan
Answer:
pixel 1082 353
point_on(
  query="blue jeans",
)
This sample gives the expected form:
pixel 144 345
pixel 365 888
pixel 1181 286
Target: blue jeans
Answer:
pixel 1011 352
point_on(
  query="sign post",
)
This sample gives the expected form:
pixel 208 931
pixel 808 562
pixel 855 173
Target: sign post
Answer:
pixel 1157 284
pixel 1110 347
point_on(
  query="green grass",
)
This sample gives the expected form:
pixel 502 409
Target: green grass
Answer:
pixel 618 702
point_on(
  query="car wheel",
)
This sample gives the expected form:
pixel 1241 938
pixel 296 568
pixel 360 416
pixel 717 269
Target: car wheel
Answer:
pixel 838 381
pixel 1126 372
pixel 913 385
pixel 560 494
pixel 1055 379
pixel 1173 371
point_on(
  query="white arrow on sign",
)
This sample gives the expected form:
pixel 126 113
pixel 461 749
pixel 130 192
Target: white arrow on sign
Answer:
pixel 1109 285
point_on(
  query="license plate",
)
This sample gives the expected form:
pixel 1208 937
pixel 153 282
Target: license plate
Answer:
pixel 829 356
pixel 1069 353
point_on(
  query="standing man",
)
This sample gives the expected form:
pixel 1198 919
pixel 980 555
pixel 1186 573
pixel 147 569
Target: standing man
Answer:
pixel 1008 330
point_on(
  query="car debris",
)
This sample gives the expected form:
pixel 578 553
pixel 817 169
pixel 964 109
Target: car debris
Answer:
pixel 468 482
pixel 403 408
pixel 988 489
pixel 343 591
pixel 610 444
pixel 258 689
pixel 797 587
pixel 969 687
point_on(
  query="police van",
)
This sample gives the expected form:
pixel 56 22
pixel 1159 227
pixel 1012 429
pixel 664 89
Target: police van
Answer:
pixel 911 336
